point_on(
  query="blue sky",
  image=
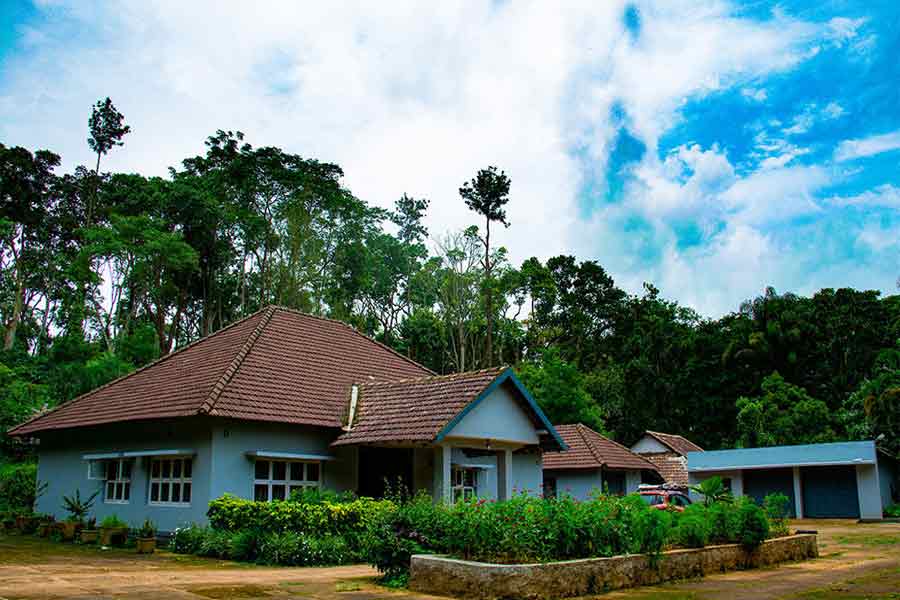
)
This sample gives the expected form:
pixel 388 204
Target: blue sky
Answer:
pixel 713 148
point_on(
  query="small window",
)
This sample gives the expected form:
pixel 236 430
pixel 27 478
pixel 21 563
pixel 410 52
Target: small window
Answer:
pixel 278 479
pixel 464 482
pixel 118 481
pixel 170 481
pixel 549 487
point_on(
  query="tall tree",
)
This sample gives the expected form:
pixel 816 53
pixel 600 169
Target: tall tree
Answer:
pixel 107 128
pixel 487 194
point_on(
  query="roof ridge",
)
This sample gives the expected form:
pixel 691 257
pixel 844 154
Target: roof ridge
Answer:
pixel 662 440
pixel 582 430
pixel 210 403
pixel 623 447
pixel 354 330
pixel 153 363
pixel 424 378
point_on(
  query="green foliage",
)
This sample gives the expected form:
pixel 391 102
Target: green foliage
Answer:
pixel 778 509
pixel 713 490
pixel 77 508
pixel 112 522
pixel 561 390
pixel 693 527
pixel 18 487
pixel 873 409
pixel 754 525
pixel 724 521
pixel 784 414
pixel 147 529
pixel 892 511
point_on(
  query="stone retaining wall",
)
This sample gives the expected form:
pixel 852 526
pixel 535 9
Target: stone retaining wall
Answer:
pixel 485 581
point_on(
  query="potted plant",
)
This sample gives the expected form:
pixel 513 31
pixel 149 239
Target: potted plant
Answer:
pixel 26 522
pixel 45 523
pixel 146 538
pixel 113 531
pixel 78 510
pixel 89 533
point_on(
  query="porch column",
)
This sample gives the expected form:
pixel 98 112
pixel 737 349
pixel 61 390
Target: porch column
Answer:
pixel 504 474
pixel 798 494
pixel 446 489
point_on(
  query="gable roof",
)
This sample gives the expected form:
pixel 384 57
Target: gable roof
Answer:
pixel 676 443
pixel 671 467
pixel 590 450
pixel 275 365
pixel 385 412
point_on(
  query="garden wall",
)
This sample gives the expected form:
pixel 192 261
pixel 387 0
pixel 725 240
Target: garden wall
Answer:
pixel 484 581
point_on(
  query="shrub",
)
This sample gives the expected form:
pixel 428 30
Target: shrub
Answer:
pixel 693 527
pixel 78 508
pixel 214 543
pixel 892 511
pixel 724 522
pixel 754 525
pixel 187 540
pixel 244 545
pixel 113 522
pixel 18 487
pixel 778 509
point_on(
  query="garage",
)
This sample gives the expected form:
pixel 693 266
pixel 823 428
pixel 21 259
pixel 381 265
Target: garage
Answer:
pixel 759 483
pixel 837 480
pixel 830 492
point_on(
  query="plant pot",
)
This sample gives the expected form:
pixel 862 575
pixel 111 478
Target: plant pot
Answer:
pixel 113 536
pixel 68 530
pixel 89 536
pixel 146 545
pixel 26 524
pixel 44 528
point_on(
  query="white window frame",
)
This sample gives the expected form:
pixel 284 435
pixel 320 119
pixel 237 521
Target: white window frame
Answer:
pixel 458 483
pixel 93 465
pixel 171 480
pixel 288 483
pixel 125 482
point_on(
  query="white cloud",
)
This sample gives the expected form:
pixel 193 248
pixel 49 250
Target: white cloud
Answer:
pixel 416 97
pixel 870 146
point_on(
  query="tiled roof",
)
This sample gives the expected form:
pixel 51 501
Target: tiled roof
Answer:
pixel 385 412
pixel 275 365
pixel 671 467
pixel 677 443
pixel 590 450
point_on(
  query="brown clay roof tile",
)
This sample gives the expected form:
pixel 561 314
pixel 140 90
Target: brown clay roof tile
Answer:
pixel 275 365
pixel 590 450
pixel 677 443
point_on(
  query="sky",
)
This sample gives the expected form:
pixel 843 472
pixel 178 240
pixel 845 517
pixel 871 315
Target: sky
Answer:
pixel 712 148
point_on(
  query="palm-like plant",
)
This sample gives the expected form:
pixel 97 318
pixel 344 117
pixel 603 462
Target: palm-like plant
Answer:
pixel 713 490
pixel 78 508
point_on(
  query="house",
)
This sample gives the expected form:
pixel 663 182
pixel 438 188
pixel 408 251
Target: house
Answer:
pixel 278 402
pixel 591 462
pixel 668 452
pixel 843 479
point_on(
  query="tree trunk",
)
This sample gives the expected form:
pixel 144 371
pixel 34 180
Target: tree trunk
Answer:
pixel 489 300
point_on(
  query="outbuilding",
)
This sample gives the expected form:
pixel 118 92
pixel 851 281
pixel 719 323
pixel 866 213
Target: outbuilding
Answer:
pixel 836 480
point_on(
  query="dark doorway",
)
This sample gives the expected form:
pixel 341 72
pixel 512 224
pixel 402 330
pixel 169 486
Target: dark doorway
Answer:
pixel 381 466
pixel 759 483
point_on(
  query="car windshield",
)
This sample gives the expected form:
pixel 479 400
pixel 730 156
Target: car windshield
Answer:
pixel 653 499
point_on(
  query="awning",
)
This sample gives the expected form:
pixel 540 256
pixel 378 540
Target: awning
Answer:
pixel 137 453
pixel 471 466
pixel 273 454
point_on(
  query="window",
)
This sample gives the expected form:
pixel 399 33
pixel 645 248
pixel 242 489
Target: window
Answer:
pixel 726 483
pixel 679 500
pixel 549 487
pixel 118 481
pixel 170 480
pixel 278 479
pixel 464 482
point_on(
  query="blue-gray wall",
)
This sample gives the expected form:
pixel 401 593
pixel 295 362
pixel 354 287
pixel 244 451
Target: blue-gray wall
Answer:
pixel 580 484
pixel 62 467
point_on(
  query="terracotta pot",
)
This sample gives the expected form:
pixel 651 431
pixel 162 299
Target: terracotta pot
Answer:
pixel 113 536
pixel 89 536
pixel 146 545
pixel 69 529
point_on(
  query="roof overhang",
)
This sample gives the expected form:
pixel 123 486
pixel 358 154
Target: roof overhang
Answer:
pixel 138 453
pixel 276 455
pixel 808 455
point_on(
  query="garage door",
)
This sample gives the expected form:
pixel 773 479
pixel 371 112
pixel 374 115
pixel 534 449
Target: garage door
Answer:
pixel 759 483
pixel 830 492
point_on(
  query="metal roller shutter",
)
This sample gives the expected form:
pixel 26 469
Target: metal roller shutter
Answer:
pixel 830 492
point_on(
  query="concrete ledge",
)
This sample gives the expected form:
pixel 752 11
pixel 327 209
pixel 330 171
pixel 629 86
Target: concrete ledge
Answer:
pixel 486 581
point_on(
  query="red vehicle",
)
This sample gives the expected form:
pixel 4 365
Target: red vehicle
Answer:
pixel 665 499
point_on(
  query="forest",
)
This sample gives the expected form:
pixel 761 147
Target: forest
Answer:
pixel 101 273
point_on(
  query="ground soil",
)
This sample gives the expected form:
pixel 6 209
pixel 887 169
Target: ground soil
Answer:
pixel 857 561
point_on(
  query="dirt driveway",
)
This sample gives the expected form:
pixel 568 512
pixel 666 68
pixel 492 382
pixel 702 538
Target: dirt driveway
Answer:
pixel 857 561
